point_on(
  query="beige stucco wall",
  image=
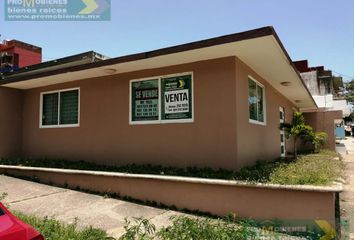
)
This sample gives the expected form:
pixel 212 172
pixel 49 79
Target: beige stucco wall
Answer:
pixel 259 142
pixel 105 136
pixel 10 122
pixel 220 136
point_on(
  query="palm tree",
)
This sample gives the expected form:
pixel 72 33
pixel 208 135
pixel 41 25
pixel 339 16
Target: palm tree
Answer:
pixel 297 129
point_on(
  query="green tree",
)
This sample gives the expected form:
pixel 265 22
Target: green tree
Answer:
pixel 350 98
pixel 350 86
pixel 337 83
pixel 297 129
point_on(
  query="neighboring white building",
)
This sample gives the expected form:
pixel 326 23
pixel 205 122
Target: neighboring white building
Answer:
pixel 344 106
pixel 320 84
pixel 327 103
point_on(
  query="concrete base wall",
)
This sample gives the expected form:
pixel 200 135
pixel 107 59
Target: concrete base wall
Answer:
pixel 220 197
pixel 11 102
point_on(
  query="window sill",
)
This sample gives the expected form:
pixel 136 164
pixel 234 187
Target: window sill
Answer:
pixel 61 126
pixel 161 122
pixel 257 122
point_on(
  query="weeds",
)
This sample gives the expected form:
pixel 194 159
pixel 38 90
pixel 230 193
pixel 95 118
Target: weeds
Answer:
pixel 55 230
pixel 141 229
pixel 3 196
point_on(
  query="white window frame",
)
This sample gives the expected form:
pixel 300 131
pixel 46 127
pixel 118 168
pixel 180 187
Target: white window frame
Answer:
pixel 58 125
pixel 282 132
pixel 264 123
pixel 159 120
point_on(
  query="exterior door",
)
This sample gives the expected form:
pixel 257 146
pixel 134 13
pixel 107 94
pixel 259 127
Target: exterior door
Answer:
pixel 282 133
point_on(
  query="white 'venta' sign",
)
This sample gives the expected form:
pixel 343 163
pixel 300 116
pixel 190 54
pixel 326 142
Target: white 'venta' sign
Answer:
pixel 177 101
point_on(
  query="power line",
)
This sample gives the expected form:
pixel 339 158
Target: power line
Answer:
pixel 343 75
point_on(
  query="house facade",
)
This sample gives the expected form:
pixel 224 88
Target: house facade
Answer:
pixel 214 103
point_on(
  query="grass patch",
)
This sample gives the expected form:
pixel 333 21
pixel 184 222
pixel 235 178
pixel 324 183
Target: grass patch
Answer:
pixel 182 228
pixel 312 169
pixel 55 230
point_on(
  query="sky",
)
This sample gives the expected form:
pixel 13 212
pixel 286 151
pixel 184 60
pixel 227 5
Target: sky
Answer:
pixel 321 31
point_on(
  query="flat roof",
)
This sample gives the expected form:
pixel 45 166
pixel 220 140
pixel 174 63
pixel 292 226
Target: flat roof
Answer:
pixel 260 48
pixel 6 44
pixel 60 63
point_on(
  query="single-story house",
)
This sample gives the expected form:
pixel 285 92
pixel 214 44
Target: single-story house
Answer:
pixel 213 103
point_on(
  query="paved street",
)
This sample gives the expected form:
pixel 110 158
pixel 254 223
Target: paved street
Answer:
pixel 65 205
pixel 347 197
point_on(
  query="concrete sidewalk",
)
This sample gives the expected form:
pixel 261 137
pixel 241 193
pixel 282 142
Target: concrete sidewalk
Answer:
pixel 64 205
pixel 347 196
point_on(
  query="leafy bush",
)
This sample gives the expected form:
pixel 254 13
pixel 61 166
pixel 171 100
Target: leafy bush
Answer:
pixel 317 139
pixel 140 229
pixel 185 228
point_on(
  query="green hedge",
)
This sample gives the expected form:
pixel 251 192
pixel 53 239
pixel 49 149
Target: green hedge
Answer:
pixel 313 169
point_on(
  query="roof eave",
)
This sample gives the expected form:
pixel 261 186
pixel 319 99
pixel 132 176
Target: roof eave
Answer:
pixel 224 40
pixel 260 32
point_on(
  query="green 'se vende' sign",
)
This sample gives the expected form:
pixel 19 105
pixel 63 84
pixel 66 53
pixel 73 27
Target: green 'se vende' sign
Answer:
pixel 174 93
pixel 145 100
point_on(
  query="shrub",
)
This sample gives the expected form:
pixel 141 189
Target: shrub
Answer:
pixel 140 229
pixel 185 228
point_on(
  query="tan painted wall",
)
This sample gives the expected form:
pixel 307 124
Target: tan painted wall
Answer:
pixel 221 135
pixel 323 121
pixel 263 203
pixel 10 122
pixel 105 136
pixel 258 142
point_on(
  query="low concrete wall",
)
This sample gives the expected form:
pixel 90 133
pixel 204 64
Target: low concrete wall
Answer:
pixel 220 197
